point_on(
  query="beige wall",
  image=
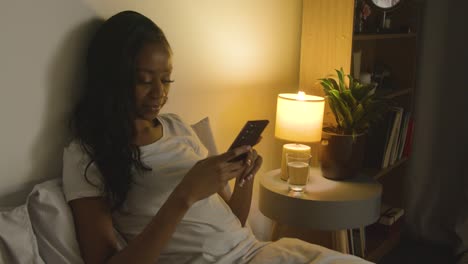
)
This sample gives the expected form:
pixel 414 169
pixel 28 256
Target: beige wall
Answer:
pixel 41 50
pixel 231 59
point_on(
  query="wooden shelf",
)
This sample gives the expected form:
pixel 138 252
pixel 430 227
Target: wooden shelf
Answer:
pixel 381 247
pixel 378 173
pixel 394 94
pixel 383 36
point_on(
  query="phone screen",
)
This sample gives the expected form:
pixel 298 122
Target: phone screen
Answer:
pixel 249 135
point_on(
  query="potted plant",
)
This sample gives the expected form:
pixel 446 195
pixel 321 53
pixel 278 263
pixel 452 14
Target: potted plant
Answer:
pixel 355 108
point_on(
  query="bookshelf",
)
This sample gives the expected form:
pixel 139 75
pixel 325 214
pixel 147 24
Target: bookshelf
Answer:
pixel 328 43
pixel 379 173
pixel 383 36
pixel 394 94
pixel 392 55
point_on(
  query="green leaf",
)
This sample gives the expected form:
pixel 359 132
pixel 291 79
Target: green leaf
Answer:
pixel 334 105
pixel 360 92
pixel 333 108
pixel 335 84
pixel 340 75
pixel 351 81
pixel 369 95
pixel 354 107
pixel 348 97
pixel 343 110
pixel 358 113
pixel 374 111
pixel 326 84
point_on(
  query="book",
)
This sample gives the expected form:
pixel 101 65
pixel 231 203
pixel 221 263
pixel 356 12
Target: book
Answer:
pixel 392 137
pixel 409 138
pixel 359 243
pixel 376 141
pixel 404 132
pixel 350 238
pixel 396 137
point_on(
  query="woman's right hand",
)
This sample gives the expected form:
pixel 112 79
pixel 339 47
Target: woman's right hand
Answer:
pixel 211 175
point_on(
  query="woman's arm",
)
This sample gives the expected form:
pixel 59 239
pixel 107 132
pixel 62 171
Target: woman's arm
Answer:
pixel 93 221
pixel 97 240
pixel 241 197
pixel 225 193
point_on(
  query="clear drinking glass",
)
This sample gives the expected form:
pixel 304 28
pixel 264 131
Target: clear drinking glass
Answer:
pixel 298 170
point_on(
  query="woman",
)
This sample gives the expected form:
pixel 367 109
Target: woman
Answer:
pixel 145 173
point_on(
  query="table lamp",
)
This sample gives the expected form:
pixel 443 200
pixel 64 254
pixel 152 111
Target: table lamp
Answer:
pixel 299 118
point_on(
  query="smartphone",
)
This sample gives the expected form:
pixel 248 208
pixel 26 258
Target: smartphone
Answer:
pixel 249 135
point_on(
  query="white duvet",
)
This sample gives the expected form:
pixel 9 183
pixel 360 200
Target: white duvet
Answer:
pixel 289 250
pixel 283 251
pixel 209 232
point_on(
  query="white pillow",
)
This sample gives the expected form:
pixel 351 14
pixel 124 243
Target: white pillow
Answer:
pixel 17 241
pixel 203 130
pixel 53 225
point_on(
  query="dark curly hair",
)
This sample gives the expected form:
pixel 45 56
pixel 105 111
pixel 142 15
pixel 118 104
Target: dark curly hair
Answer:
pixel 103 121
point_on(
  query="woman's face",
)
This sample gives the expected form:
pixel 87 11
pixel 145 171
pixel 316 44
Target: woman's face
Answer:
pixel 153 78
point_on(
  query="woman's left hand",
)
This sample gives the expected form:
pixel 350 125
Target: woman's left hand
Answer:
pixel 241 197
pixel 254 162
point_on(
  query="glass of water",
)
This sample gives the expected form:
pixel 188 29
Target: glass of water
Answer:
pixel 298 170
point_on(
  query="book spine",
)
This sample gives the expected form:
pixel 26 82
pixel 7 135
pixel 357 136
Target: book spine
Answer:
pixel 376 141
pixel 392 138
pixel 409 139
pixel 404 134
pixel 396 138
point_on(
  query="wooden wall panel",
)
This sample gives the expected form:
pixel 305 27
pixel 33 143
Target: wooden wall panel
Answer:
pixel 327 33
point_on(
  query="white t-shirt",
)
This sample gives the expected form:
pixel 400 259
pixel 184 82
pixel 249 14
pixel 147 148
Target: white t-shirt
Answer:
pixel 209 231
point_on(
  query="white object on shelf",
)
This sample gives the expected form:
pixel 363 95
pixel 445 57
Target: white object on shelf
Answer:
pixel 389 215
pixel 365 78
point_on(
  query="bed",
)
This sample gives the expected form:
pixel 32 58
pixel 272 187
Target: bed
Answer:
pixel 42 231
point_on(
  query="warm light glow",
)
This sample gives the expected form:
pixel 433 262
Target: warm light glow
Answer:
pixel 301 96
pixel 299 120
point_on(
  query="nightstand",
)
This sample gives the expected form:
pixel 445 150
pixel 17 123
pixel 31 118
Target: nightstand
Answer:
pixel 324 205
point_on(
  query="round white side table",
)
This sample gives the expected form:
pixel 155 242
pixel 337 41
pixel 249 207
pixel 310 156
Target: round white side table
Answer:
pixel 324 205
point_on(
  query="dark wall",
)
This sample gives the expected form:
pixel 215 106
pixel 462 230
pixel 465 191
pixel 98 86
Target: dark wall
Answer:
pixel 437 204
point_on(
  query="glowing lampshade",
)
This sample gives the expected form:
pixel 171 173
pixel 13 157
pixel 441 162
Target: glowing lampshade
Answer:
pixel 299 117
